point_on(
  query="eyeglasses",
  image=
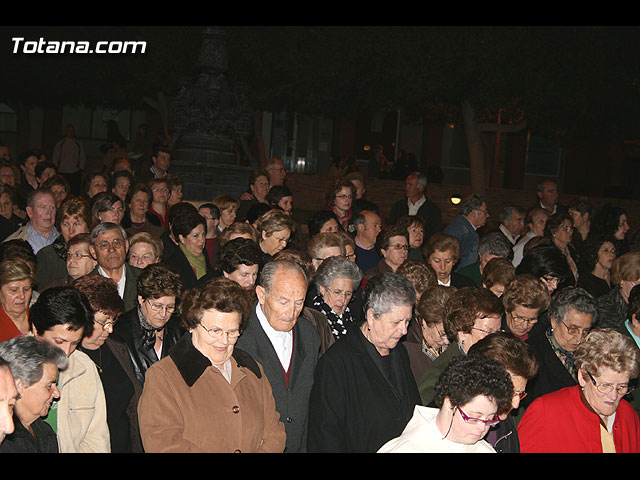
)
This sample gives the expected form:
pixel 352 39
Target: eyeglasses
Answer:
pixel 551 280
pixel 566 228
pixel 478 421
pixel 399 246
pixel 519 393
pixel 107 325
pixel 520 319
pixel 488 332
pixel 158 307
pixel 75 256
pixel 116 244
pixel 608 387
pixel 217 333
pixel 573 331
pixel 161 190
pixel 484 212
pixel 347 196
pixel 339 293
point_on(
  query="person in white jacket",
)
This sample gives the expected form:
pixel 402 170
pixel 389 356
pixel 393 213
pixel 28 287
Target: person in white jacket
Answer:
pixel 470 394
pixel 62 316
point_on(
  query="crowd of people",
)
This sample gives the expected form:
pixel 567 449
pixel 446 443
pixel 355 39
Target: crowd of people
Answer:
pixel 133 320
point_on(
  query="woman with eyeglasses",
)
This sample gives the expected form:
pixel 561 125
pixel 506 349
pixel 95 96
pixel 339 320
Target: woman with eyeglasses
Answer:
pixel 151 328
pixel 472 313
pixel 470 395
pixel 591 416
pixel 571 316
pixel 520 362
pixel 525 300
pixel 392 244
pixel 339 199
pixel 72 218
pixel 336 280
pixel 113 361
pixel 208 396
pixel 429 315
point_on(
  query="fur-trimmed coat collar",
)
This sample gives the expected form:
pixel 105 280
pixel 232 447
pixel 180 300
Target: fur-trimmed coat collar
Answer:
pixel 191 363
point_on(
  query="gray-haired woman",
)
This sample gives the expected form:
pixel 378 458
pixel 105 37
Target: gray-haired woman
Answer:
pixel 34 365
pixel 364 393
pixel 336 280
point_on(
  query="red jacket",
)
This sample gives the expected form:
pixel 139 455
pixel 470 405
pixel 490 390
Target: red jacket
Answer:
pixel 560 422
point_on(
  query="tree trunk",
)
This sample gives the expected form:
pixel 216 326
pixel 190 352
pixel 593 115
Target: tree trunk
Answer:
pixel 476 150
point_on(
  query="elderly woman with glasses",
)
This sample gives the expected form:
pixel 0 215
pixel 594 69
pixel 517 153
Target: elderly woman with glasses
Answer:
pixel 572 314
pixel 336 280
pixel 525 299
pixel 151 328
pixel 73 217
pixel 470 395
pixel 209 396
pixel 429 316
pixel 591 416
pixel 113 361
pixel 392 244
pixel 471 313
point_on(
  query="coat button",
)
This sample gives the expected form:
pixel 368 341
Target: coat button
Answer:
pixel 289 419
pixel 235 409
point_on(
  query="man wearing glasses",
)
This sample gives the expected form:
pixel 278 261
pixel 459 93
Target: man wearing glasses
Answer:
pixel 109 247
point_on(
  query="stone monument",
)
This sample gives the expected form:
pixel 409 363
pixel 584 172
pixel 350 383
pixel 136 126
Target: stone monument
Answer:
pixel 210 123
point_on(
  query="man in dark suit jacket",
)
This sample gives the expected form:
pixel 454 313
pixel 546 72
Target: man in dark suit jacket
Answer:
pixel 547 192
pixel 418 204
pixel 285 344
pixel 109 247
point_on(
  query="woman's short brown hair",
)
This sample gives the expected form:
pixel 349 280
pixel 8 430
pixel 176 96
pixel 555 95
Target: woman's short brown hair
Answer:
pixel 498 271
pixel 432 306
pixel 219 294
pixel 14 268
pixel 527 291
pixel 608 348
pixel 516 356
pixel 237 228
pixel 274 221
pixel 442 242
pixel 465 306
pixel 419 274
pixel 155 242
pixel 335 187
pixel 102 293
pixel 157 281
pixel 74 206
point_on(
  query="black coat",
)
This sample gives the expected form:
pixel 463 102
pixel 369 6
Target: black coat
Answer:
pixel 43 440
pixel 429 211
pixel 552 374
pixel 354 408
pixel 178 262
pixel 129 331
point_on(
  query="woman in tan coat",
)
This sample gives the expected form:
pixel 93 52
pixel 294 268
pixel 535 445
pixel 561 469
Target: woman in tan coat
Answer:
pixel 207 396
